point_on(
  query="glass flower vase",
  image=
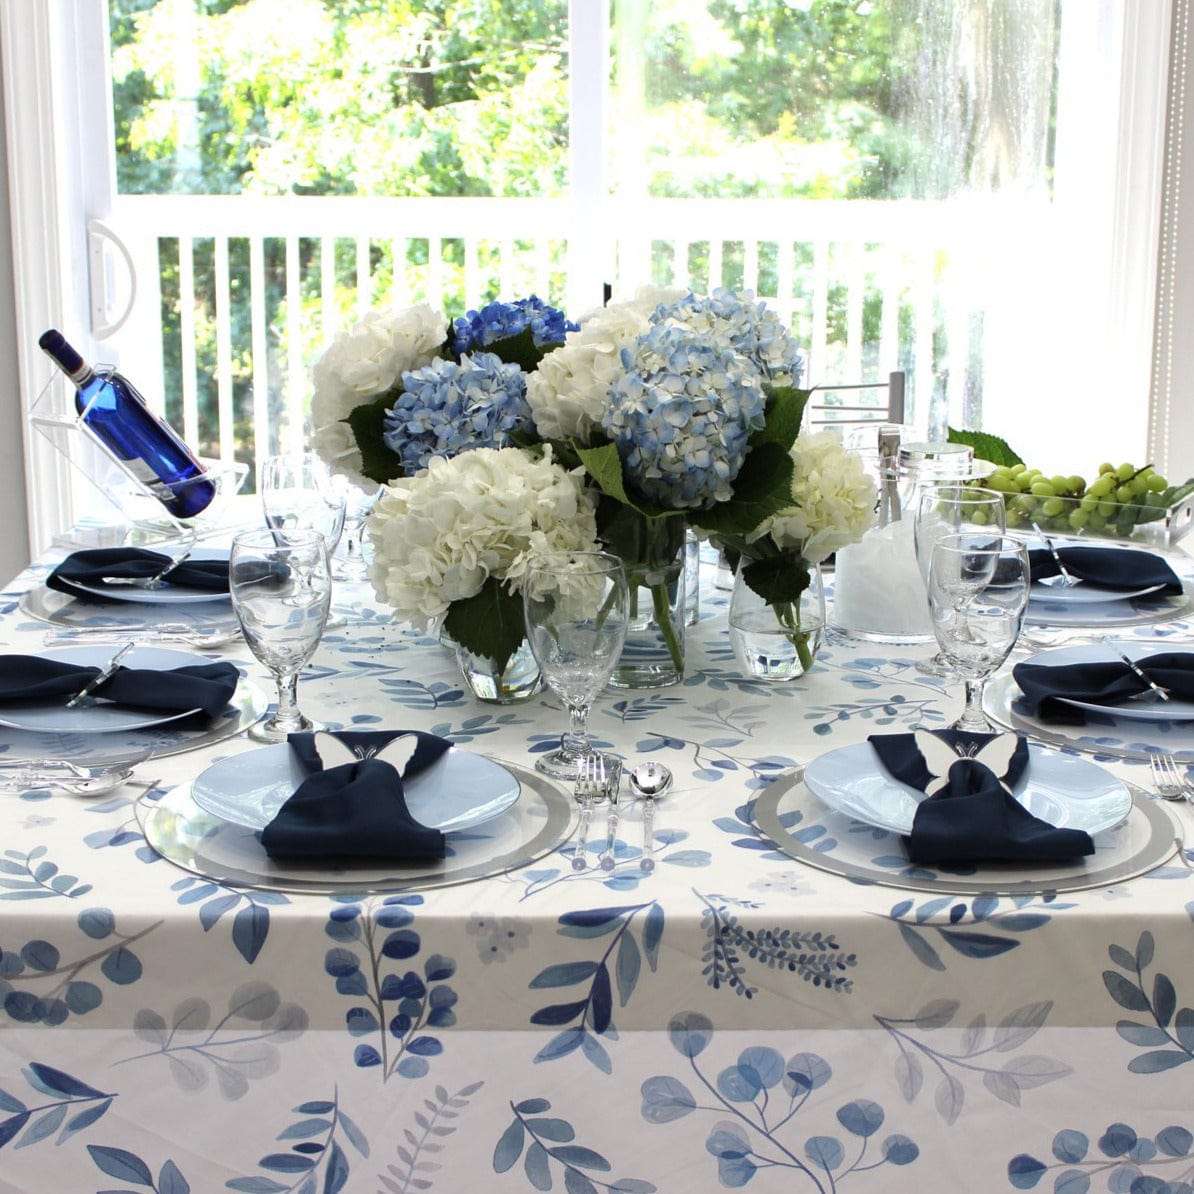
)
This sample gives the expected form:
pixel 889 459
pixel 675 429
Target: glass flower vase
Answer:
pixel 488 681
pixel 776 640
pixel 653 656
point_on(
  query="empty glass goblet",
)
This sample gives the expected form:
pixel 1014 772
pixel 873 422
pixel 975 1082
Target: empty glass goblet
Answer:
pixel 281 587
pixel 978 591
pixel 948 508
pixel 297 493
pixel 575 608
pixel 349 562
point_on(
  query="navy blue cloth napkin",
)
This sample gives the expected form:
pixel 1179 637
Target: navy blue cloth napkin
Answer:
pixel 1107 682
pixel 1117 569
pixel 94 566
pixel 357 809
pixel 207 687
pixel 970 814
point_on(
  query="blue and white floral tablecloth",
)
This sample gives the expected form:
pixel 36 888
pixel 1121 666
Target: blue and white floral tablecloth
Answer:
pixel 733 1019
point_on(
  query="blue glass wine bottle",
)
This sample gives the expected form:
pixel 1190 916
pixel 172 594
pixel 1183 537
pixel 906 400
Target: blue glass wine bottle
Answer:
pixel 148 447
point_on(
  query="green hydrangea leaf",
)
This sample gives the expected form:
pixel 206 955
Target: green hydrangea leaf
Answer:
pixel 368 424
pixel 778 579
pixel 785 410
pixel 489 624
pixel 762 488
pixel 986 446
pixel 520 350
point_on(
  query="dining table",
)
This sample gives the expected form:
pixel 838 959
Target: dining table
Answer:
pixel 736 984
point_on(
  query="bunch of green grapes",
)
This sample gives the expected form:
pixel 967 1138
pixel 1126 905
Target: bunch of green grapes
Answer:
pixel 1113 504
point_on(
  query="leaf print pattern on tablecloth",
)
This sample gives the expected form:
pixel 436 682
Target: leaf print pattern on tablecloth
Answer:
pixel 814 957
pixel 240 1046
pixel 414 1172
pixel 1168 1037
pixel 539 1140
pixel 250 925
pixel 979 1041
pixel 316 1160
pixel 949 921
pixel 762 1094
pixel 73 1106
pixel 127 1167
pixel 585 1019
pixel 39 986
pixel 1125 1160
pixel 33 877
pixel 393 1007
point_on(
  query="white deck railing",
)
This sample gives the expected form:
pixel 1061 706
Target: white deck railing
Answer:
pixel 918 267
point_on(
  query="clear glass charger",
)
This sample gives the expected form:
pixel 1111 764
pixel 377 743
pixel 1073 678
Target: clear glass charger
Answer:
pixel 203 844
pixel 835 842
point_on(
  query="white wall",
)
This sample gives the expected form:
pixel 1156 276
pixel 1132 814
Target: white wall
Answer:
pixel 14 535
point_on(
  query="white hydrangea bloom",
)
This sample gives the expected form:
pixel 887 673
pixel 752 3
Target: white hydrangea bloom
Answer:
pixel 834 500
pixel 360 365
pixel 440 535
pixel 569 392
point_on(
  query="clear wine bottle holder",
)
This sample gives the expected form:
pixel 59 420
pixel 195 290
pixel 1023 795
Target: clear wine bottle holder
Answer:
pixel 130 514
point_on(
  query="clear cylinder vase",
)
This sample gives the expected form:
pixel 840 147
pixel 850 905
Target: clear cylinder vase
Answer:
pixel 488 682
pixel 776 641
pixel 653 656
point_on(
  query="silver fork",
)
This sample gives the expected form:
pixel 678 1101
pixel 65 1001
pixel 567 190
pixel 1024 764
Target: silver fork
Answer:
pixel 590 779
pixel 610 788
pixel 1170 778
pixel 1066 580
pixel 191 636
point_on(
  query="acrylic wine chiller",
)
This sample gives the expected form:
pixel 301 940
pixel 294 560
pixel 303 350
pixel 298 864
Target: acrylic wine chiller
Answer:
pixel 158 486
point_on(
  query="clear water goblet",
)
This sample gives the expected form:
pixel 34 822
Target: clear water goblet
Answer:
pixel 298 494
pixel 575 609
pixel 281 585
pixel 350 562
pixel 948 508
pixel 978 592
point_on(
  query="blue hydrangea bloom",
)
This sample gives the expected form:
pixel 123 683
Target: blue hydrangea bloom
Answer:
pixel 681 415
pixel 448 407
pixel 748 328
pixel 500 321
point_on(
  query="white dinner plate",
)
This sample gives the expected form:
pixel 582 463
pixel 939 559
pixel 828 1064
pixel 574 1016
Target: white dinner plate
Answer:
pixel 1146 707
pixel 167 595
pixel 101 717
pixel 1061 790
pixel 457 791
pixel 1084 593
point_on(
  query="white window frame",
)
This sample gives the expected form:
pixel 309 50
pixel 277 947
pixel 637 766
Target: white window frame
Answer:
pixel 54 57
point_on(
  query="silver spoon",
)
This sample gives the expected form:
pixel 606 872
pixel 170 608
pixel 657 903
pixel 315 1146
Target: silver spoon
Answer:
pixel 649 780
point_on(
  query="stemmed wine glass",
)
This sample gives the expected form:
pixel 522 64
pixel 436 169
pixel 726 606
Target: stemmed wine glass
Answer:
pixel 575 608
pixel 297 493
pixel 978 591
pixel 281 586
pixel 350 562
pixel 948 508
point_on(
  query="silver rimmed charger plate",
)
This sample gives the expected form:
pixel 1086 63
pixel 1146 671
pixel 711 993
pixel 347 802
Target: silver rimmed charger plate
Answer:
pixel 183 833
pixel 248 706
pixel 61 609
pixel 1111 613
pixel 97 716
pixel 1102 735
pixel 800 825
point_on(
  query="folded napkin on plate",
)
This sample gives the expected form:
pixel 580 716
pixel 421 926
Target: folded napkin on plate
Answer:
pixel 96 566
pixel 355 809
pixel 1110 682
pixel 1114 568
pixel 970 814
pixel 208 686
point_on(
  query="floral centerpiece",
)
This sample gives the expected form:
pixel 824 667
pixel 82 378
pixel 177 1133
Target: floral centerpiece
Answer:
pixel 664 412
